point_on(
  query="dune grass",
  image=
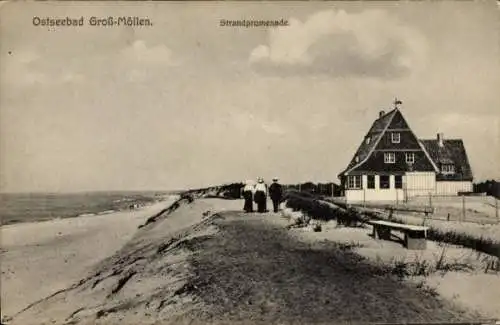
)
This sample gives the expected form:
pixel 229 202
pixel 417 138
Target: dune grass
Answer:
pixel 425 267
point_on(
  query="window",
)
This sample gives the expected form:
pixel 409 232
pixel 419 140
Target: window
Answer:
pixel 398 181
pixel 356 159
pixel 395 137
pixel 448 169
pixel 384 181
pixel 354 182
pixel 389 158
pixel 371 181
pixel 410 157
pixel 368 139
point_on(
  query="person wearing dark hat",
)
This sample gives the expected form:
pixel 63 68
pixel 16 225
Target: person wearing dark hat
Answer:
pixel 260 196
pixel 276 194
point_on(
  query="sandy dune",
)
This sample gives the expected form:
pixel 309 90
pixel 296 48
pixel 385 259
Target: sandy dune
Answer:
pixel 154 275
pixel 194 265
pixel 41 258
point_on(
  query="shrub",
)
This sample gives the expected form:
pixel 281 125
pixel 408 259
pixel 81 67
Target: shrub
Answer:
pixel 484 245
pixel 321 210
pixel 188 197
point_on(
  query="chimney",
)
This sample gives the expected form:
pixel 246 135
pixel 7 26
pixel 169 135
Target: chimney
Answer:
pixel 380 114
pixel 440 137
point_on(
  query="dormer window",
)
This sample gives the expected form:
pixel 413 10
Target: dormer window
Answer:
pixel 448 169
pixel 368 140
pixel 356 159
pixel 395 137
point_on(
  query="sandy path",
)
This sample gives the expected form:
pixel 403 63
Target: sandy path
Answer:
pixel 41 258
pixel 254 270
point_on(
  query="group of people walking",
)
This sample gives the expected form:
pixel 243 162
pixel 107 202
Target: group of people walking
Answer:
pixel 259 193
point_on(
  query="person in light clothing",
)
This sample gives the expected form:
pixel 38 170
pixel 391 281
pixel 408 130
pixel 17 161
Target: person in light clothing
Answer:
pixel 260 196
pixel 248 193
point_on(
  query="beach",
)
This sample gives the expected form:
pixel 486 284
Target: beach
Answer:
pixel 40 258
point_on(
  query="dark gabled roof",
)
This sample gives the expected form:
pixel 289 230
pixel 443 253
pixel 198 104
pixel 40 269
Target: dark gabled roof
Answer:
pixel 376 131
pixel 452 152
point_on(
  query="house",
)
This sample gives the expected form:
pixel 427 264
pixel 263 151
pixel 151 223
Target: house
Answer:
pixel 392 164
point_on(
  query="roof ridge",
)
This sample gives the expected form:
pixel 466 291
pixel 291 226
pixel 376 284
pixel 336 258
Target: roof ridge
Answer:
pixel 385 114
pixel 426 153
pixel 375 144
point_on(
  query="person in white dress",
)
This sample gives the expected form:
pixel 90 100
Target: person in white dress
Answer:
pixel 260 196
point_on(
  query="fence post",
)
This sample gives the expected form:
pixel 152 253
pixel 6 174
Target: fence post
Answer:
pixel 430 199
pixel 463 207
pixel 496 209
pixel 364 198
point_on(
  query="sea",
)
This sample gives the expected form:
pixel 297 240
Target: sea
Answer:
pixel 29 207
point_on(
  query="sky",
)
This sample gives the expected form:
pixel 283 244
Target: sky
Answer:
pixel 188 103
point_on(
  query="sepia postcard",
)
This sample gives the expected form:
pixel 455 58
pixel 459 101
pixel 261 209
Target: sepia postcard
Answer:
pixel 241 162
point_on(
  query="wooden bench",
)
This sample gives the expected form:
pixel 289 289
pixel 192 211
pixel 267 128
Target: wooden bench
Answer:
pixel 415 236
